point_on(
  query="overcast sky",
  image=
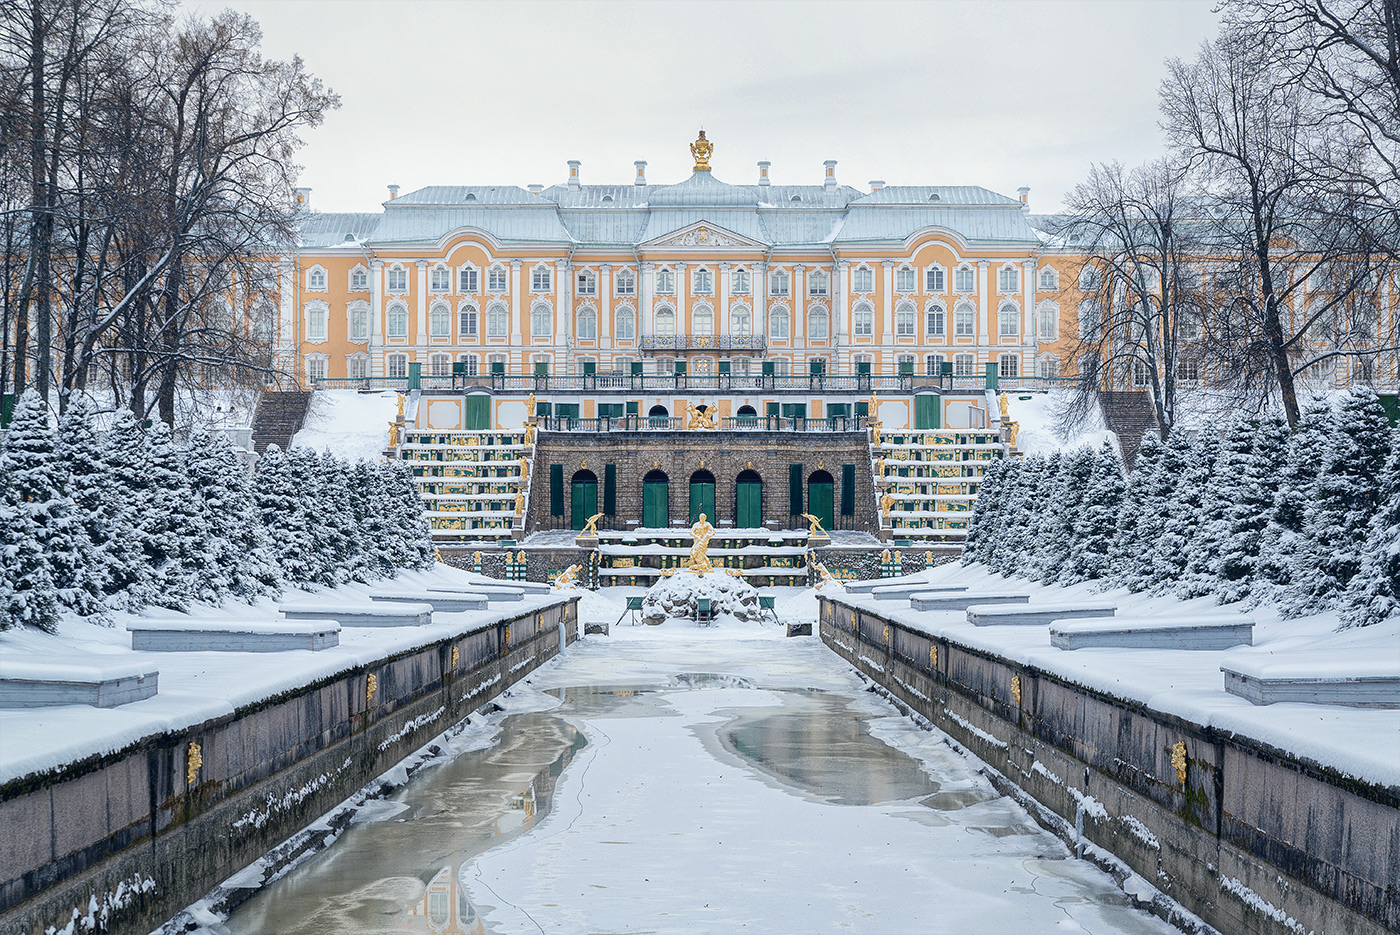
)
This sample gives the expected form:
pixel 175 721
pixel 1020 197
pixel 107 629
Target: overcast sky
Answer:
pixel 979 93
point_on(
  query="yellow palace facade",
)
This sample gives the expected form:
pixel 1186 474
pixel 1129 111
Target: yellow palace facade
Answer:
pixel 699 277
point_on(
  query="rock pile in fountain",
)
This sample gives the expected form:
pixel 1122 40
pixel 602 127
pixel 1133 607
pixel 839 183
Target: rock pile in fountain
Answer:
pixel 678 596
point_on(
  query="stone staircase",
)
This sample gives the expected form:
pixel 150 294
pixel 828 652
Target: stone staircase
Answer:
pixel 279 417
pixel 1129 415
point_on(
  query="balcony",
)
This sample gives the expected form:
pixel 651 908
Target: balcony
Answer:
pixel 704 342
pixel 728 424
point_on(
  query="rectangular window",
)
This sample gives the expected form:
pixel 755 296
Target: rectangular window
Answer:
pixel 964 365
pixel 398 279
pixel 626 282
pixel 440 280
pixel 357 367
pixel 817 284
pixel 704 282
pixel 778 283
pixel 665 282
pixel 1008 279
pixel 933 279
pixel 496 279
pixel 935 323
pixel 470 364
pixel 933 365
pixel 1049 317
pixel 587 283
pixel 965 280
pixel 398 366
pixel 904 280
pixel 467 325
pixel 863 280
pixel 541 279
pixel 1188 370
pixel 864 321
pixel 1048 367
pixel 963 321
pixel 740 280
pixel 1009 366
pixel 467 280
pixel 1009 321
pixel 359 281
pixel 316 368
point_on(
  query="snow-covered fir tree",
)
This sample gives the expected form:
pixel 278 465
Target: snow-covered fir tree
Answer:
pixel 415 532
pixel 1251 472
pixel 80 448
pixel 1095 519
pixel 283 513
pixel 339 530
pixel 1020 515
pixel 993 491
pixel 1344 498
pixel 255 571
pixel 1282 538
pixel 377 554
pixel 127 483
pixel 28 595
pixel 1139 520
pixel 178 532
pixel 1043 516
pixel 40 479
pixel 1373 596
pixel 1192 463
pixel 1203 545
pixel 1053 556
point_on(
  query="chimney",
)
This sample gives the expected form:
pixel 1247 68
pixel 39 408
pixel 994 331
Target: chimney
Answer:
pixel 830 182
pixel 573 175
pixel 763 165
pixel 303 198
pixel 535 188
pixel 393 192
pixel 1025 192
pixel 641 165
pixel 876 185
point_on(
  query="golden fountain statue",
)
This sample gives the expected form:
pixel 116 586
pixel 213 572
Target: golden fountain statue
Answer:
pixel 699 562
pixel 519 502
pixel 393 434
pixel 815 527
pixel 701 150
pixel 566 577
pixel 699 418
pixel 530 406
pixel 590 528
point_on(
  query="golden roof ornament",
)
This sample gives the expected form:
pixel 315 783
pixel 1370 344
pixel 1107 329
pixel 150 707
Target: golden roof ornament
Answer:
pixel 701 150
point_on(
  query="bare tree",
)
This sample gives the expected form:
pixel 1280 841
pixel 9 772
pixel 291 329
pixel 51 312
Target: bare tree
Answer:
pixel 1142 303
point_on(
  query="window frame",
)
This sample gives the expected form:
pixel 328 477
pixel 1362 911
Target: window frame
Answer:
pixel 439 322
pixel 439 279
pixel 359 308
pixel 703 281
pixel 970 360
pixel 1007 312
pixel 590 315
pixel 740 281
pixel 396 312
pixel 496 313
pixel 541 311
pixel 778 315
pixel 815 314
pixel 935 271
pixel 968 271
pixel 667 314
pixel 906 280
pixel 936 311
pixel 541 279
pixel 665 279
pixel 468 312
pixel 906 320
pixel 586 283
pixel 741 320
pixel 630 315
pixel 390 362
pixel 1009 279
pixel 317 279
pixel 357 366
pixel 862 275
pixel 964 314
pixel 358 269
pixel 468 279
pixel 779 283
pixel 396 270
pixel 625 283
pixel 494 271
pixel 819 275
pixel 1047 311
pixel 697 313
pixel 1014 360
pixel 863 320
pixel 1048 279
pixel 325 366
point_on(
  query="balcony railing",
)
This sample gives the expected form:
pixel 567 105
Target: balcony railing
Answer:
pixel 800 384
pixel 703 342
pixel 680 423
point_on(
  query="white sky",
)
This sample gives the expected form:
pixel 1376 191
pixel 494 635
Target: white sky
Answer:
pixel 952 93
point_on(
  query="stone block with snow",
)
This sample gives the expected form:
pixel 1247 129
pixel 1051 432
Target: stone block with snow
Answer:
pixel 366 614
pixel 1355 677
pixel 902 592
pixel 1202 632
pixel 448 602
pixel 1036 615
pixel 940 601
pixel 33 681
pixel 231 636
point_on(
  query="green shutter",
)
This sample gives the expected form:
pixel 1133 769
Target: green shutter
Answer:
pixel 770 409
pixel 498 366
pixel 724 366
pixel 541 368
pixel 632 408
pixel 478 412
pixel 702 500
pixel 656 504
pixel 848 490
pixel 819 497
pixel 610 489
pixel 991 375
pixel 926 411
pixel 816 367
pixel 636 368
pixel 795 490
pixel 590 367
pixel 749 504
pixel 583 502
pixel 769 368
pixel 556 490
pixel 863 409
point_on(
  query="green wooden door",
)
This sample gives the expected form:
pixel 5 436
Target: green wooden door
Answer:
pixel 656 504
pixel 749 502
pixel 702 500
pixel 926 413
pixel 583 502
pixel 820 503
pixel 477 412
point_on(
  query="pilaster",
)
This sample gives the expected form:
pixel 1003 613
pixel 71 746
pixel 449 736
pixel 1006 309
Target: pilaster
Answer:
pixel 515 350
pixel 722 300
pixel 985 336
pixel 798 335
pixel 887 329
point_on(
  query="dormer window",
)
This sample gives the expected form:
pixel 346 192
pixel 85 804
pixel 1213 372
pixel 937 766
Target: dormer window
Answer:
pixel 665 282
pixel 863 280
pixel 471 196
pixel 626 282
pixel 704 282
pixel 817 283
pixel 316 279
pixel 740 281
pixel 587 283
pixel 440 279
pixel 904 279
pixel 541 279
pixel 778 283
pixel 398 279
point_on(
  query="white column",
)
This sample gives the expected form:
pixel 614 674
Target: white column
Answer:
pixel 799 308
pixel 420 325
pixel 604 308
pixel 760 300
pixel 682 308
pixel 563 312
pixel 837 326
pixel 1030 334
pixel 887 332
pixel 515 310
pixel 376 318
pixel 982 290
pixel 722 300
pixel 646 323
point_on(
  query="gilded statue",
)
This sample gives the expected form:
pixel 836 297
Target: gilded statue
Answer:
pixel 590 528
pixel 530 432
pixel 698 418
pixel 393 434
pixel 880 467
pixel 701 150
pixel 566 577
pixel 815 527
pixel 874 406
pixel 401 399
pixel 885 556
pixel 702 531
pixel 519 503
pixel 875 433
pixel 886 501
pixel 1005 407
pixel 524 467
pixel 1015 429
pixel 530 406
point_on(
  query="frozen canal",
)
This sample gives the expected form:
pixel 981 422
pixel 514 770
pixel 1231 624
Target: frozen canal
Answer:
pixel 696 784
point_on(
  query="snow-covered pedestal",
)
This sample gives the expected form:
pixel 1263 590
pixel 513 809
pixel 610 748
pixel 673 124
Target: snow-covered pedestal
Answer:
pixel 367 614
pixel 231 636
pixel 35 681
pixel 449 602
pixel 677 597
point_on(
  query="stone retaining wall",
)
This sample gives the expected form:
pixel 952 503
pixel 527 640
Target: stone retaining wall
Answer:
pixel 130 831
pixel 1252 840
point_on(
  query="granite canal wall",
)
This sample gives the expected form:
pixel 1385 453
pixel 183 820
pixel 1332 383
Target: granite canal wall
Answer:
pixel 1247 837
pixel 128 839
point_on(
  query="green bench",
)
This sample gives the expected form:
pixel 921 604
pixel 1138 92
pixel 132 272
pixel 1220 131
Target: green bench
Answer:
pixel 634 604
pixel 704 615
pixel 765 605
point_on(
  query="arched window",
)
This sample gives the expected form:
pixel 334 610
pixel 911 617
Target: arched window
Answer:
pixel 1049 279
pixel 740 321
pixel 398 322
pixel 541 321
pixel 316 281
pixel 397 279
pixel 1048 366
pixel 359 279
pixel 934 279
pixel 665 282
pixel 1008 321
pixel 904 320
pixel 904 279
pixel 317 321
pixel 863 279
pixel 1008 279
pixel 778 324
pixel 587 283
pixel 1009 366
pixel 315 368
pixel 935 323
pixel 1047 315
pixel 665 321
pixel 357 367
pixel 626 282
pixel 739 279
pixel 817 283
pixel 817 324
pixel 359 322
pixel 467 279
pixel 587 324
pixel 702 321
pixel 626 322
pixel 964 321
pixel 440 279
pixel 439 322
pixel 964 280
pixel 467 324
pixel 863 321
pixel 1088 279
pixel 778 283
pixel 497 321
pixel 704 281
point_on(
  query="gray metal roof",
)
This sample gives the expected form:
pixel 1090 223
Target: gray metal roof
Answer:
pixel 627 215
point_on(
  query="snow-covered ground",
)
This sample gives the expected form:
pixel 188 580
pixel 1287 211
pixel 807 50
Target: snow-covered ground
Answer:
pixel 1039 413
pixel 1361 742
pixel 197 686
pixel 349 423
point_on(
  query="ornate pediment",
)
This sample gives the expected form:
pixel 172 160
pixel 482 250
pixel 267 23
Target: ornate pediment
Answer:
pixel 702 234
